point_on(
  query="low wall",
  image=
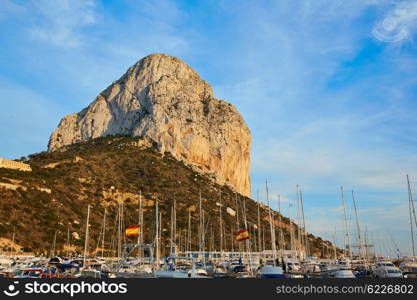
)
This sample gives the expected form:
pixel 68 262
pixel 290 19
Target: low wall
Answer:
pixel 11 164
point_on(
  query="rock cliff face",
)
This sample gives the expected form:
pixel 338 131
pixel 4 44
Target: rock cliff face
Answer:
pixel 162 99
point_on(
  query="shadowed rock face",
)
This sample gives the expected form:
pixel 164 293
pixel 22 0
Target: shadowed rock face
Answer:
pixel 162 99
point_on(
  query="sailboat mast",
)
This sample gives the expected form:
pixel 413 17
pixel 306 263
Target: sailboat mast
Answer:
pixel 104 232
pixel 189 230
pixel 161 246
pixel 68 241
pixel 52 251
pixel 410 208
pixel 271 223
pixel 212 248
pixel 220 223
pixel 156 234
pixel 119 240
pixel 305 234
pixel 259 222
pixel 291 227
pixel 280 225
pixel 237 219
pixel 200 225
pixel 203 233
pixel 173 231
pixel 175 226
pixel 347 236
pixel 366 244
pixel 171 244
pixel 12 244
pixel 300 238
pixel 248 248
pixel 231 239
pixel 358 228
pixel 334 244
pixel 122 224
pixel 86 236
pixel 141 227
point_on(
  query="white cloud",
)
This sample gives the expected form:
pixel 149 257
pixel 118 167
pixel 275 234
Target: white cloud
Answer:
pixel 26 116
pixel 61 22
pixel 9 8
pixel 357 149
pixel 380 222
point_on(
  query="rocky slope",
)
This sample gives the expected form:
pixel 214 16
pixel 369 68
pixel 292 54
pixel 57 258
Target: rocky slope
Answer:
pixel 163 100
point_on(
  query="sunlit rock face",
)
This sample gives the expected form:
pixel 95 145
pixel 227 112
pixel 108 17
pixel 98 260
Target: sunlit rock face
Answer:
pixel 162 99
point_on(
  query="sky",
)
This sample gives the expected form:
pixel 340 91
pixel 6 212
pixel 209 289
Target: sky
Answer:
pixel 327 88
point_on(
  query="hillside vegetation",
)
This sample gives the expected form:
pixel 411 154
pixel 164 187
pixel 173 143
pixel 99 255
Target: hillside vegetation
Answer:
pixel 53 198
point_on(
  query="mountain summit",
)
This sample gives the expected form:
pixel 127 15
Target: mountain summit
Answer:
pixel 164 101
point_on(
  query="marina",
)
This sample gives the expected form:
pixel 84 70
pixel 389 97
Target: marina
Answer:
pixel 173 258
pixel 226 266
pixel 178 139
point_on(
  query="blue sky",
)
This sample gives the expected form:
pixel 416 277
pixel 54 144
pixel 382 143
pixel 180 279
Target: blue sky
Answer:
pixel 327 88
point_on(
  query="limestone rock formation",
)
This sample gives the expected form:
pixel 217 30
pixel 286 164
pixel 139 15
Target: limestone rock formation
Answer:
pixel 161 98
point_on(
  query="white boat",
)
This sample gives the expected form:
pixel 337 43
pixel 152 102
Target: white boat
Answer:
pixel 173 270
pixel 219 271
pixel 409 268
pixel 6 262
pixel 271 272
pixel 293 266
pixel 345 263
pixel 177 274
pixel 339 273
pixel 89 273
pixel 310 266
pixel 344 274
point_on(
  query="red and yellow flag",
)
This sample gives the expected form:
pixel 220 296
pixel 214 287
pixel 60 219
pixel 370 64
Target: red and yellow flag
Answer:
pixel 242 235
pixel 132 231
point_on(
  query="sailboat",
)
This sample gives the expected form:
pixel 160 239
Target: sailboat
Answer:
pixel 348 250
pixel 271 270
pixel 87 271
pixel 409 264
pixel 179 266
pixel 412 213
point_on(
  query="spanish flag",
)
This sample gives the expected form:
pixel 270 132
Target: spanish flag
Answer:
pixel 242 235
pixel 132 231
